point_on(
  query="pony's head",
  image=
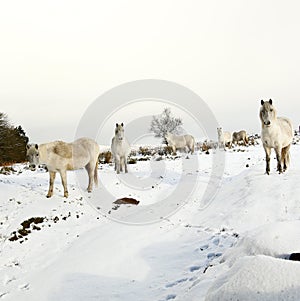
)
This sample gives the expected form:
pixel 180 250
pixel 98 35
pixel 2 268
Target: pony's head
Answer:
pixel 267 113
pixel 33 155
pixel 119 131
pixel 167 137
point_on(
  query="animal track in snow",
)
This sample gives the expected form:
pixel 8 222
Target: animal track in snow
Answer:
pixel 171 297
pixel 209 253
pixel 176 282
pixel 24 286
pixel 195 268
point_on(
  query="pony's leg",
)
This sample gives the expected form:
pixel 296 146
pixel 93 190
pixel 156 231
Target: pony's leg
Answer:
pixel 268 153
pixel 278 157
pixel 125 164
pixel 90 170
pixel 117 159
pixel 52 175
pixel 285 157
pixel 63 175
pixel 174 149
pixel 96 173
pixel 121 163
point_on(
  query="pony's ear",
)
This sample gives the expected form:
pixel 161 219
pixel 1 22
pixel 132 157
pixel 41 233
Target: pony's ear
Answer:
pixel 270 101
pixel 117 125
pixel 262 102
pixel 36 146
pixel 122 124
pixel 28 146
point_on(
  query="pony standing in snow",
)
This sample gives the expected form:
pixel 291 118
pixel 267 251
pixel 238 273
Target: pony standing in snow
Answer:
pixel 60 156
pixel 180 142
pixel 240 136
pixel 120 148
pixel 224 138
pixel 277 133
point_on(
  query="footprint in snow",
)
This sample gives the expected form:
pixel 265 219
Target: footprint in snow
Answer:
pixel 216 241
pixel 8 279
pixel 3 294
pixel 195 268
pixel 176 282
pixel 213 255
pixel 24 286
pixel 203 248
pixel 171 297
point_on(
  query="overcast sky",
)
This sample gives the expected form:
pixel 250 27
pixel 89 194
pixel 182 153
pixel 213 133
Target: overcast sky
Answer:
pixel 57 57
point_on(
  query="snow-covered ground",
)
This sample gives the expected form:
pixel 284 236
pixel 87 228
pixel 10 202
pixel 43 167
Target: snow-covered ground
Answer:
pixel 233 248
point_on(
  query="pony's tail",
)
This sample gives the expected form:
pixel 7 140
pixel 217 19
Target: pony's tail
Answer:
pixel 96 173
pixel 247 139
pixel 285 155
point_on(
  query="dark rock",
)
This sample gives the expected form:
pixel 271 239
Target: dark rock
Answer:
pixel 125 200
pixel 295 257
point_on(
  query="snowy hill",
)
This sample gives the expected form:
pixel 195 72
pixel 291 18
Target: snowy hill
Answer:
pixel 235 248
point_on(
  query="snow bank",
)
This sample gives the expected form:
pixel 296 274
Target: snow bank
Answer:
pixel 258 278
pixel 278 240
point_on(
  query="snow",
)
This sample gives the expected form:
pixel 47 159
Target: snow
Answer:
pixel 235 247
pixel 258 278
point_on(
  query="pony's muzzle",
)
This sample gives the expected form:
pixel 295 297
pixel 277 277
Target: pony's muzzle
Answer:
pixel 267 122
pixel 32 167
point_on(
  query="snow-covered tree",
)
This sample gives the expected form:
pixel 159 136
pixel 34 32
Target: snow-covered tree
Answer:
pixel 165 122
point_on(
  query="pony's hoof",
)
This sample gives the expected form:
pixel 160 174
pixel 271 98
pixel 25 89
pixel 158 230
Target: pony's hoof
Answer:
pixel 48 196
pixel 66 195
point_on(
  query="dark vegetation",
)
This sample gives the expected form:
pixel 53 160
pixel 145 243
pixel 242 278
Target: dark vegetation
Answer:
pixel 13 142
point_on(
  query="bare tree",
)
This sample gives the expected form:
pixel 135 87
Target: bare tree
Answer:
pixel 165 122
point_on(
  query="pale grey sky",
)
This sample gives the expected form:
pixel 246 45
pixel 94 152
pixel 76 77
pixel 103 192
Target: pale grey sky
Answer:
pixel 57 57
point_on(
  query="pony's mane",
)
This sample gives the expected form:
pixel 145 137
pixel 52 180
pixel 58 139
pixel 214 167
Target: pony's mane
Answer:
pixel 267 106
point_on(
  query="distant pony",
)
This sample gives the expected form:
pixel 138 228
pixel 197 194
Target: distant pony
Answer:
pixel 240 136
pixel 224 138
pixel 277 133
pixel 120 148
pixel 60 156
pixel 176 142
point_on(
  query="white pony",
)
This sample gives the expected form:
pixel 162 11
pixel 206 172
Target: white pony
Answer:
pixel 180 142
pixel 60 156
pixel 277 133
pixel 240 136
pixel 120 148
pixel 224 138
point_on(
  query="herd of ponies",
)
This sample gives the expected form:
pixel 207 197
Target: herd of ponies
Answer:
pixel 59 156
